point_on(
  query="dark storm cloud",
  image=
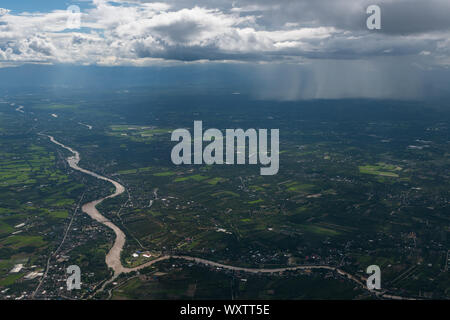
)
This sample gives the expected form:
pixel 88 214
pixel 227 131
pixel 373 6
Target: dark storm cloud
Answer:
pixel 399 16
pixel 322 47
pixel 263 30
pixel 416 16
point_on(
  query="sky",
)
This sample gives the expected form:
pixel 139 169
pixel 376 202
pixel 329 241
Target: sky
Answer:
pixel 306 49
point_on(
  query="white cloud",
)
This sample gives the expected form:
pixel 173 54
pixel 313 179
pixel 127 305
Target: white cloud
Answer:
pixel 144 32
pixel 3 11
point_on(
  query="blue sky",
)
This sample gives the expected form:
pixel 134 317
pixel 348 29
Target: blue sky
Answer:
pixel 18 6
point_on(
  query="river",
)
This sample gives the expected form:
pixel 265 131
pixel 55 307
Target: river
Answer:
pixel 113 257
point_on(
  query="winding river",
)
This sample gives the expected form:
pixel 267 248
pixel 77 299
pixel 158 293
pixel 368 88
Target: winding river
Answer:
pixel 113 257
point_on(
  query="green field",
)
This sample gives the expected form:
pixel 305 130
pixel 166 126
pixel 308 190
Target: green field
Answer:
pixel 381 169
pixel 17 241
